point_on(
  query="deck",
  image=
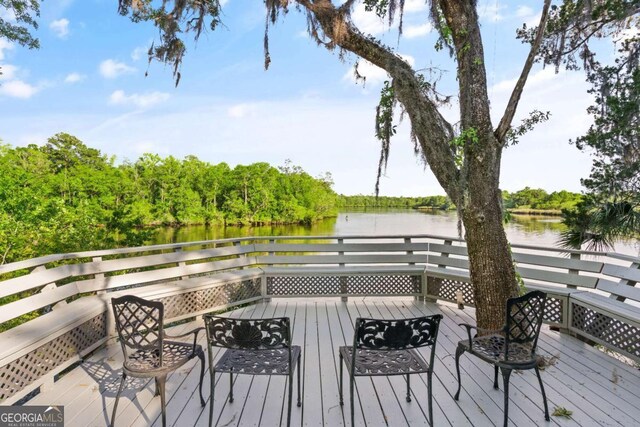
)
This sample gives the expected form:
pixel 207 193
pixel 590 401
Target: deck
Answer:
pixel 597 388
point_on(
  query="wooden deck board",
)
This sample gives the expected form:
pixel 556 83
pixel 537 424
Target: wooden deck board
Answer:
pixel 597 388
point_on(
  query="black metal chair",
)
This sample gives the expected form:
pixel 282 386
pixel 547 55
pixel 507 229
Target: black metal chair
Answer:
pixel 254 347
pixel 147 354
pixel 388 347
pixel 512 347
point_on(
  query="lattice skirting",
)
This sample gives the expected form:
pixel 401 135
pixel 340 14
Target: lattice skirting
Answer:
pixel 197 301
pixel 23 371
pixel 396 285
pixel 445 289
pixel 615 332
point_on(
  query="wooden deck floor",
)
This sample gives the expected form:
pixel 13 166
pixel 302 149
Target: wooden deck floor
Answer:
pixel 597 388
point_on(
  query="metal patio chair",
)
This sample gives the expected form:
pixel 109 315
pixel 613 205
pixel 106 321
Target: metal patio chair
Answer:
pixel 388 347
pixel 254 347
pixel 147 354
pixel 512 347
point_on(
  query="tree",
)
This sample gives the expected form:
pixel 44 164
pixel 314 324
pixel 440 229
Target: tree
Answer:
pixel 24 14
pixel 466 165
pixel 611 209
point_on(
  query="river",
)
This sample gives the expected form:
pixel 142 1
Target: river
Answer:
pixel 529 230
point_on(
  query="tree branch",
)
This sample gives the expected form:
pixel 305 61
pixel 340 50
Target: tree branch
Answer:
pixel 431 129
pixel 512 106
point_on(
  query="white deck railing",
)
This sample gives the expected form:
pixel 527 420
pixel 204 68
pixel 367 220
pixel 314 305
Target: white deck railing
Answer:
pixel 592 294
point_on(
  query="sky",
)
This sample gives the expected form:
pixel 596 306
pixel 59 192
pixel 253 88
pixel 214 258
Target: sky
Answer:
pixel 88 79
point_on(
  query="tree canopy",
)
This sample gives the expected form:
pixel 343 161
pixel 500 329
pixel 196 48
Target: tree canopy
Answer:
pixel 65 196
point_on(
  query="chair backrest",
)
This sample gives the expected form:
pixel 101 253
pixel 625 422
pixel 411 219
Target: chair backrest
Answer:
pixel 396 334
pixel 139 323
pixel 524 319
pixel 248 334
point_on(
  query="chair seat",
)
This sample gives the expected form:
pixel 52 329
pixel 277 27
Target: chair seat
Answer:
pixel 258 362
pixel 491 349
pixel 146 363
pixel 384 362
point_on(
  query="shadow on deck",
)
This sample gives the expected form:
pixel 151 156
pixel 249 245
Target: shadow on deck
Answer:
pixel 599 389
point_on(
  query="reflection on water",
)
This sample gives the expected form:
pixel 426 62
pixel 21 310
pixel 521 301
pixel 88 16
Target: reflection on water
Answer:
pixel 523 229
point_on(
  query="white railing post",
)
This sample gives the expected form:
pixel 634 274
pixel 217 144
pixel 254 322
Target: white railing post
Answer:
pixel 343 279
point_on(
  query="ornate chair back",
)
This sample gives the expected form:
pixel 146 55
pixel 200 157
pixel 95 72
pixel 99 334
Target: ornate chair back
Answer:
pixel 524 319
pixel 139 324
pixel 248 334
pixel 396 334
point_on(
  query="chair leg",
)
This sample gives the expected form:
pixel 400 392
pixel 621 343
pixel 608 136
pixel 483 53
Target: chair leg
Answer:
pixel 290 397
pixel 161 381
pixel 230 387
pixel 495 377
pixel 340 385
pixel 212 377
pixel 299 400
pixel 430 397
pixel 201 356
pixel 506 373
pixel 352 383
pixel 157 393
pixel 115 405
pixel 408 388
pixel 544 396
pixel 459 352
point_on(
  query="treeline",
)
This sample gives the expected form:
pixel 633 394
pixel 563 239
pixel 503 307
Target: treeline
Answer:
pixel 538 199
pixel 525 199
pixel 361 201
pixel 64 196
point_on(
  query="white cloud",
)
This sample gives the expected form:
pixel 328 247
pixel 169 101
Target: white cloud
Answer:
pixel 18 89
pixel 490 11
pixel 368 22
pixel 60 27
pixel 74 78
pixel 4 45
pixel 8 72
pixel 138 52
pixel 413 31
pixel 524 11
pixel 240 110
pixel 110 69
pixel 119 97
pixel 411 6
pixel 373 74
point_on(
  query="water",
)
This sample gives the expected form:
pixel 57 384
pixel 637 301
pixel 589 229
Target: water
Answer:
pixel 527 230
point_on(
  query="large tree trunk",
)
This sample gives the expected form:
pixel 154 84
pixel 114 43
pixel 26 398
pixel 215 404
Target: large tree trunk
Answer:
pixel 474 187
pixel 491 266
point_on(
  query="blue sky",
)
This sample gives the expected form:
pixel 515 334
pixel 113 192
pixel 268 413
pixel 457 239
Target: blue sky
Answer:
pixel 88 79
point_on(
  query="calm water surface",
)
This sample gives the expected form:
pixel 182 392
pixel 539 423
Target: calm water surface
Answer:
pixel 529 230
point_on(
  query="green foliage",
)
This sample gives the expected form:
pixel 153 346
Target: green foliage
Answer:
pixel 66 197
pixel 535 117
pixel 539 199
pixel 458 144
pixel 560 411
pixel 385 128
pixel 361 201
pixel 25 13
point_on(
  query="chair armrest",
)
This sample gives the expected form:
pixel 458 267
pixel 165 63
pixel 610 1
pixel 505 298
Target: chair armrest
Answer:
pixel 469 327
pixel 195 336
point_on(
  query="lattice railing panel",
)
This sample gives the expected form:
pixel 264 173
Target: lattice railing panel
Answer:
pixel 616 333
pixel 395 284
pixel 23 371
pixel 553 311
pixel 446 289
pixel 303 285
pixel 196 301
